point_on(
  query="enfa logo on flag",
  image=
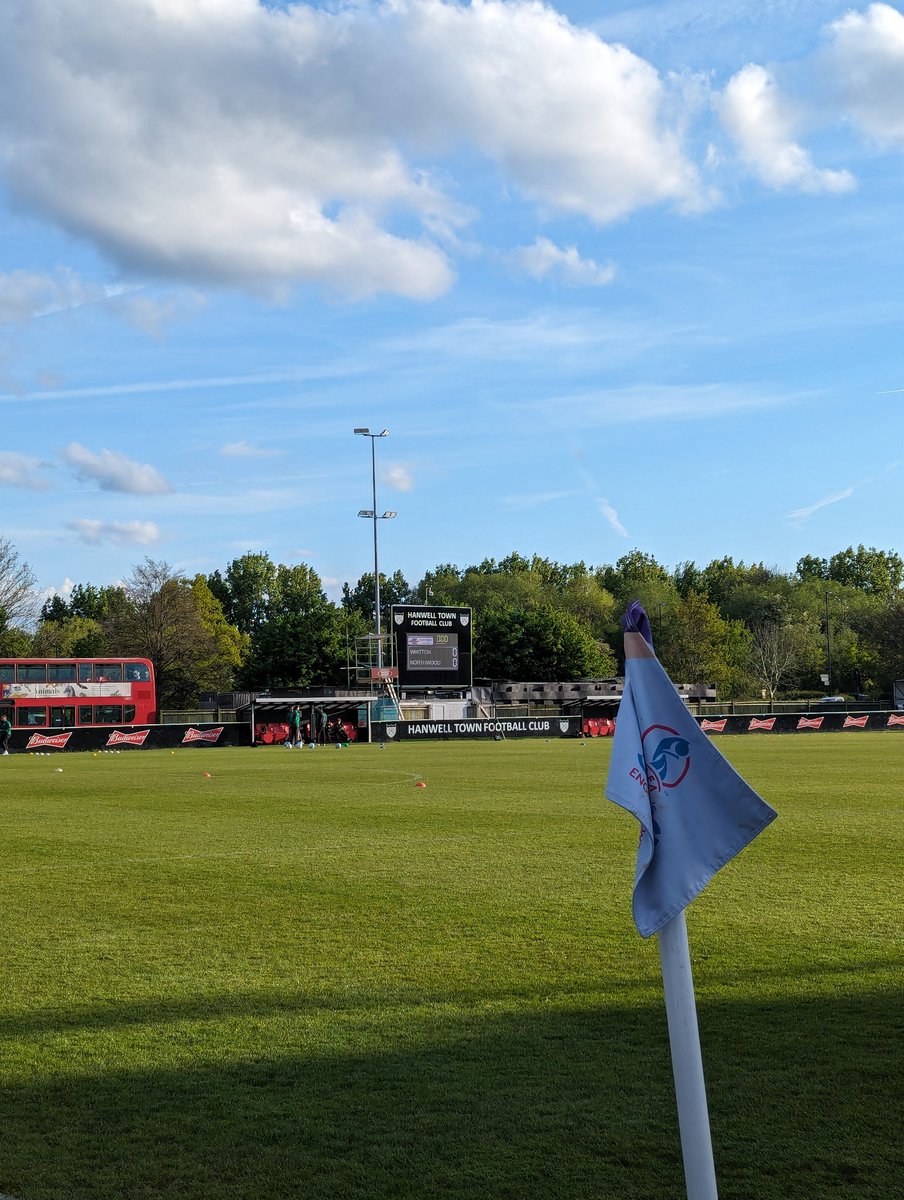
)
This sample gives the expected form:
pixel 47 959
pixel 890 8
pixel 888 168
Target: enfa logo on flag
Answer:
pixel 57 740
pixel 664 759
pixel 202 735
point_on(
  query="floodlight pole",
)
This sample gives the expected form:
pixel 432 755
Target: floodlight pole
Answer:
pixel 385 517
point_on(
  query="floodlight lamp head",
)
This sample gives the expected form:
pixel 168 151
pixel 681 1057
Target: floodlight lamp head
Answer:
pixel 365 512
pixel 387 516
pixel 385 433
pixel 362 431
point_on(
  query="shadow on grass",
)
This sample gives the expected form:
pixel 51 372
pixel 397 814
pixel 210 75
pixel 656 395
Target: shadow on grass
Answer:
pixel 554 1104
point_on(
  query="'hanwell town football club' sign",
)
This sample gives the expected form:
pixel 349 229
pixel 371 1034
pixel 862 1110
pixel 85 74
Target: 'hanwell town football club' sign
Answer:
pixel 432 646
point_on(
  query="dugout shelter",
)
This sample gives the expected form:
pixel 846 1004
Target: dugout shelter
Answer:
pixel 326 718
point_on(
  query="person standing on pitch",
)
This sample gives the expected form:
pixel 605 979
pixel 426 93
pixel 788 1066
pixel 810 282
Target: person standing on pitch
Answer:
pixel 5 730
pixel 294 727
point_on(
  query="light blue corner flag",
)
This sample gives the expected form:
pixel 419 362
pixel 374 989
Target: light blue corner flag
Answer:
pixel 695 811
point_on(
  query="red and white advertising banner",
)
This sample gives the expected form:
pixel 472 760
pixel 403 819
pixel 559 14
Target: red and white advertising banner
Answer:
pixel 714 726
pixel 766 723
pixel 202 735
pixel 855 722
pixel 57 740
pixel 810 723
pixel 894 719
pixel 136 738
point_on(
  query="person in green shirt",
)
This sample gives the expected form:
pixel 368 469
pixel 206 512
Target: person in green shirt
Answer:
pixel 5 730
pixel 294 727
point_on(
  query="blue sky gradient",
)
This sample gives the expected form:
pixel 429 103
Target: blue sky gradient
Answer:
pixel 612 275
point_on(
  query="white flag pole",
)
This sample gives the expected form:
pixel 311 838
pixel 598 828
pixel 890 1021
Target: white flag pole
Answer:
pixel 687 1061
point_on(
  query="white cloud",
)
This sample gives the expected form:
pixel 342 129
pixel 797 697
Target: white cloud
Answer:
pixel 545 258
pixel 397 476
pixel 246 450
pixel 28 294
pixel 63 591
pixel 248 145
pixel 117 533
pixel 114 472
pixel 762 124
pixel 649 402
pixel 798 516
pixel 535 499
pixel 865 64
pixel 21 471
pixel 611 516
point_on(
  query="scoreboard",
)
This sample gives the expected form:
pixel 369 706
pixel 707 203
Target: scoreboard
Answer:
pixel 432 646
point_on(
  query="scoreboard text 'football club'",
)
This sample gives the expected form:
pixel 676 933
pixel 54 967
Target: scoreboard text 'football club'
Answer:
pixel 432 645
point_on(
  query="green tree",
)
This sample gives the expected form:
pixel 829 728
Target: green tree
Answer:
pixel 883 631
pixel 248 590
pixel 15 643
pixel 780 653
pixel 226 644
pixel 300 636
pixel 869 570
pixel 698 646
pixel 72 637
pixel 18 599
pixel 439 586
pixel 638 576
pixel 537 643
pixel 172 621
pixel 96 603
pixel 394 589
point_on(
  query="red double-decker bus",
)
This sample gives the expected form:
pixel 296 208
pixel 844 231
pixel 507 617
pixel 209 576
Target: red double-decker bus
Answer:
pixel 66 693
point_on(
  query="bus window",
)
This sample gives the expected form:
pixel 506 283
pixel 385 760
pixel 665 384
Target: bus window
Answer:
pixel 32 673
pixel 139 673
pixel 31 715
pixel 7 673
pixel 63 714
pixel 57 673
pixel 85 714
pixel 108 672
pixel 128 714
pixel 108 714
pixel 85 672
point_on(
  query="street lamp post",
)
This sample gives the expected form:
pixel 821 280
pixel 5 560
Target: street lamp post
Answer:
pixel 371 513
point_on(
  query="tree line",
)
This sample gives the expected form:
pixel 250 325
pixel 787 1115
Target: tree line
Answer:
pixel 749 629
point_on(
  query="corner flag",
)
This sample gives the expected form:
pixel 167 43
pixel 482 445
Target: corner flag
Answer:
pixel 695 811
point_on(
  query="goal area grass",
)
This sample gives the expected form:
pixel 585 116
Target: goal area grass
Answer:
pixel 238 973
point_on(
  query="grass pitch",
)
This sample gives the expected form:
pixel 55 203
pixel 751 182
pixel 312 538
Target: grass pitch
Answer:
pixel 305 977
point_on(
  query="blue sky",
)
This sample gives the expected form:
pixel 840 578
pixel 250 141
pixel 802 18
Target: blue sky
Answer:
pixel 613 275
